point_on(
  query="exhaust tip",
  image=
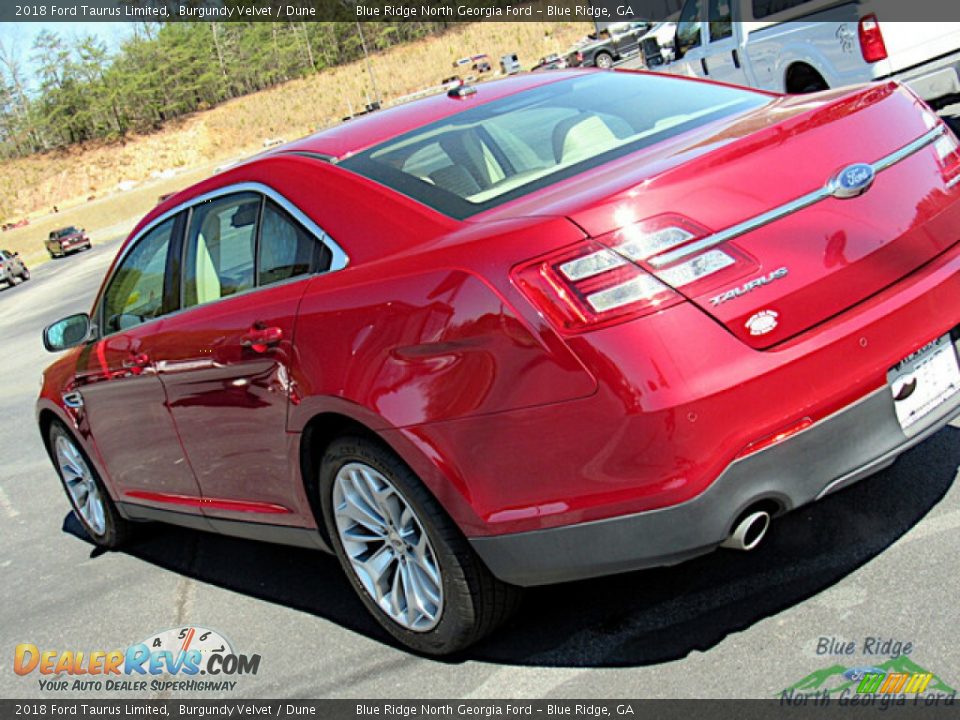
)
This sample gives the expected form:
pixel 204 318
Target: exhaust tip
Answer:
pixel 749 531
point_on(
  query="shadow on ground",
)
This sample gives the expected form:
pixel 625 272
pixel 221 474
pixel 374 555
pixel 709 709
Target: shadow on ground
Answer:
pixel 640 618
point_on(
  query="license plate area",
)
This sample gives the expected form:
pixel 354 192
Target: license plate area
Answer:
pixel 923 381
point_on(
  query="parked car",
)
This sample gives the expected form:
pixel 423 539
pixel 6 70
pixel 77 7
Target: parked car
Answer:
pixel 811 45
pixel 550 62
pixel 569 324
pixel 12 268
pixel 510 64
pixel 15 225
pixel 479 63
pixel 67 240
pixel 613 43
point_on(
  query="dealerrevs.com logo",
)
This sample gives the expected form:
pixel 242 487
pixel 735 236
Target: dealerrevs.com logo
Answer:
pixel 172 660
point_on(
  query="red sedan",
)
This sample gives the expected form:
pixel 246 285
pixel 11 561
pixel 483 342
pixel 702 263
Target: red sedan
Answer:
pixel 554 327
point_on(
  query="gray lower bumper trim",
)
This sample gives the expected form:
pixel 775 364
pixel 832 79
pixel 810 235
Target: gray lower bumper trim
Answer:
pixel 847 446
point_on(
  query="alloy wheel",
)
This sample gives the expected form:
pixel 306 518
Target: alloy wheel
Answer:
pixel 81 484
pixel 388 548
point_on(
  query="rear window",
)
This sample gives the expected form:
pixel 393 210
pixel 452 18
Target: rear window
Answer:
pixel 508 148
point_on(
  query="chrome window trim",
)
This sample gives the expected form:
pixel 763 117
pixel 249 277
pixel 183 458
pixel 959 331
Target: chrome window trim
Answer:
pixel 338 257
pixel 804 201
pixel 338 260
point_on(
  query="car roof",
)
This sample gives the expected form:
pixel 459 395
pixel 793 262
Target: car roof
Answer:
pixel 364 132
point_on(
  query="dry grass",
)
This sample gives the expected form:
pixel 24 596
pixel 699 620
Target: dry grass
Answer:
pixel 68 178
pixel 104 219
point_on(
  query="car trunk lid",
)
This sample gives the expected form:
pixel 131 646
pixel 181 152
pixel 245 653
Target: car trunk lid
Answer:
pixel 791 249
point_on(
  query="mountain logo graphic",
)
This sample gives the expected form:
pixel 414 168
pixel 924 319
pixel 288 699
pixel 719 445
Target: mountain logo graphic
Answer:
pixel 897 675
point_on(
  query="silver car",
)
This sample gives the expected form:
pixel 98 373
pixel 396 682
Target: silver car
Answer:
pixel 12 268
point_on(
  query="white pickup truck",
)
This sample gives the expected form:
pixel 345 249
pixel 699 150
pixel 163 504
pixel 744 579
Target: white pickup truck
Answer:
pixel 797 46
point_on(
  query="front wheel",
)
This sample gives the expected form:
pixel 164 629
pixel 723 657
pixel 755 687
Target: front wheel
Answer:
pixel 408 562
pixel 85 490
pixel 25 275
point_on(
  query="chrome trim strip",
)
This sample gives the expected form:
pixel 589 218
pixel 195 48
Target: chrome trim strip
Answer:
pixel 338 260
pixel 953 183
pixel 338 257
pixel 791 207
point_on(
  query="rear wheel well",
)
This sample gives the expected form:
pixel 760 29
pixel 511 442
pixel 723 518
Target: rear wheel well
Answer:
pixel 314 441
pixel 802 78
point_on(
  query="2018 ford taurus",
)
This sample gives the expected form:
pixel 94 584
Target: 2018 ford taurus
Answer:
pixel 552 327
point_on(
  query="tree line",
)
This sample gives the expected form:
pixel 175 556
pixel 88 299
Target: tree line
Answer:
pixel 69 90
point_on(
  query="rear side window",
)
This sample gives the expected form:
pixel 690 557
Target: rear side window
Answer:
pixel 135 293
pixel 763 8
pixel 220 247
pixel 286 250
pixel 501 150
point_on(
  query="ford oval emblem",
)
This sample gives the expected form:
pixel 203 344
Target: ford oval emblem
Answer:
pixel 852 181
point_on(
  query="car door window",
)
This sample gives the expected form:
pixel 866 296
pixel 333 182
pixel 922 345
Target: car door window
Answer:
pixel 688 27
pixel 135 292
pixel 286 250
pixel 721 19
pixel 220 247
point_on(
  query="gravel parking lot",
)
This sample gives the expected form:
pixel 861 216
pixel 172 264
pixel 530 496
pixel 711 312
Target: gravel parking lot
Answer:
pixel 878 560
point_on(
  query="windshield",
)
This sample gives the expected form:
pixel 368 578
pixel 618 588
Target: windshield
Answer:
pixel 508 148
pixel 66 231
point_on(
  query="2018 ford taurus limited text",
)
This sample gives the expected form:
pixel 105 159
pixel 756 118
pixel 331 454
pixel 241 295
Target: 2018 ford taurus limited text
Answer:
pixel 554 327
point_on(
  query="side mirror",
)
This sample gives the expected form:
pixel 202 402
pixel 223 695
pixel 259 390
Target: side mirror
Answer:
pixel 67 333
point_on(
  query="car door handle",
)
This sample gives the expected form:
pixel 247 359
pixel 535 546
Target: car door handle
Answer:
pixel 736 58
pixel 703 64
pixel 259 339
pixel 136 363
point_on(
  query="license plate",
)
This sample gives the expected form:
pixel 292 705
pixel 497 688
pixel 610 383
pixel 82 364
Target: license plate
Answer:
pixel 923 381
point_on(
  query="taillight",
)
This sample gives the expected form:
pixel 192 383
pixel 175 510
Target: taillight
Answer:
pixel 591 286
pixel 948 152
pixel 621 276
pixel 871 39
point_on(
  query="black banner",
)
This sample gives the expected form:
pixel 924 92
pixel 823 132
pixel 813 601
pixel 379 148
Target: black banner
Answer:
pixel 800 707
pixel 601 11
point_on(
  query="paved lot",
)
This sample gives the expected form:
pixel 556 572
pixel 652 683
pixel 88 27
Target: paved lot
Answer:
pixel 879 560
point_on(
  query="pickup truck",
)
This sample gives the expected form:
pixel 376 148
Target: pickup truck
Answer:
pixel 799 46
pixel 613 43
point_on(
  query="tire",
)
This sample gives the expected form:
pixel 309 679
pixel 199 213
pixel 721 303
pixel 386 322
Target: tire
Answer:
pixel 108 529
pixel 25 275
pixel 603 60
pixel 464 602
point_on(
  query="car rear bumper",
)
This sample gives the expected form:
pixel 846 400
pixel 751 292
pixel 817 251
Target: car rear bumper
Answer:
pixel 837 451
